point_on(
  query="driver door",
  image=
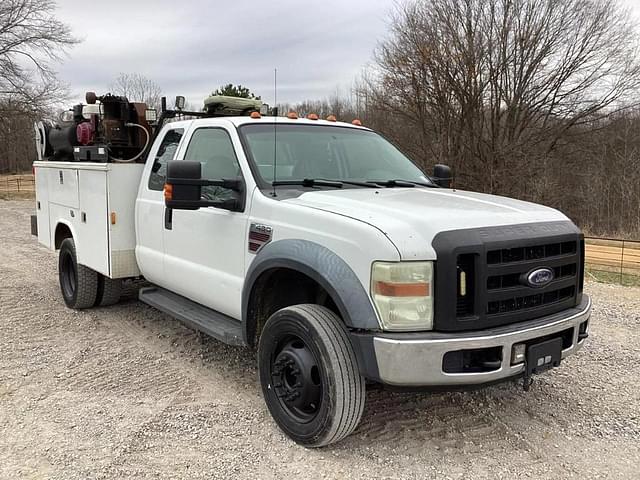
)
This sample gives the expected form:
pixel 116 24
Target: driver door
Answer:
pixel 205 248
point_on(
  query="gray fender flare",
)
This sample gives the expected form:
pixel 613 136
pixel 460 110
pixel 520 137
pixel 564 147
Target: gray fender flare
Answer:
pixel 323 266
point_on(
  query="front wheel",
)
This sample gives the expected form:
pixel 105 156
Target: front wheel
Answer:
pixel 79 284
pixel 309 375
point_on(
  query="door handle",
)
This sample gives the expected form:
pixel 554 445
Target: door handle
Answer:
pixel 168 218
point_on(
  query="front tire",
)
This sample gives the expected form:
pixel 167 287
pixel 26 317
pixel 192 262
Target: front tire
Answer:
pixel 309 375
pixel 79 284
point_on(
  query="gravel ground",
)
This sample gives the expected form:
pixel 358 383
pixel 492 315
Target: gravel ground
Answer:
pixel 127 392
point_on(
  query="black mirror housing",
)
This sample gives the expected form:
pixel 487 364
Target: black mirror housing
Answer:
pixel 442 175
pixel 177 194
pixel 183 188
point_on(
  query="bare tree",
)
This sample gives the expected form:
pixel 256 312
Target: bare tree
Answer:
pixel 137 88
pixel 31 38
pixel 493 86
pixel 31 41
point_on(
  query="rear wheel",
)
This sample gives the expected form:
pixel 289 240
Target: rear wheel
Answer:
pixel 309 375
pixel 109 291
pixel 79 284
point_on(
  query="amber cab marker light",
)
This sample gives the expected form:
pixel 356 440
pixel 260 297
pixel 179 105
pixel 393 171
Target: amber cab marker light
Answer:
pixel 168 191
pixel 312 116
pixel 255 115
pixel 113 218
pixel 357 122
pixel 332 118
pixel 292 115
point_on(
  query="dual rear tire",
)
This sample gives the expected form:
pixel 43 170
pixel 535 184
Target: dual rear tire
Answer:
pixel 81 286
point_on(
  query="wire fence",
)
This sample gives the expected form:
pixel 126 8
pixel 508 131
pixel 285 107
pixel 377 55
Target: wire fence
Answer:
pixel 613 259
pixel 17 183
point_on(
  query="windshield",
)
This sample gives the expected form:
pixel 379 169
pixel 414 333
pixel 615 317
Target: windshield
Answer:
pixel 326 152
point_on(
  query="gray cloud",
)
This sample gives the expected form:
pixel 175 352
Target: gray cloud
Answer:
pixel 192 47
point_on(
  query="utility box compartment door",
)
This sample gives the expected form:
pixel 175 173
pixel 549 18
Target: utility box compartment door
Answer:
pixel 63 186
pixel 123 181
pixel 92 221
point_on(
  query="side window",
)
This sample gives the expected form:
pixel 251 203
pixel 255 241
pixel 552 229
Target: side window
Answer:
pixel 212 147
pixel 165 153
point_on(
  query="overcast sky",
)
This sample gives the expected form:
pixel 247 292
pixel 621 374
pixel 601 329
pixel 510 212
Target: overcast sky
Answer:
pixel 191 47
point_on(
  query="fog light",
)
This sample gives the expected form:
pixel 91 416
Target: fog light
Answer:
pixel 518 353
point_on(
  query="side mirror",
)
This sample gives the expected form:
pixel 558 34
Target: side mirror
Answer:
pixel 442 175
pixel 183 188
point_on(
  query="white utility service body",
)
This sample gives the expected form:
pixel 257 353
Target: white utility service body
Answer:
pixel 96 202
pixel 502 278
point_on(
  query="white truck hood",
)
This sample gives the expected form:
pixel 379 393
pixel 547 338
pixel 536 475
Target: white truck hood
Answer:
pixel 411 217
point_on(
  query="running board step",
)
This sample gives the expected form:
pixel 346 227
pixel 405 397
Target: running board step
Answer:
pixel 199 317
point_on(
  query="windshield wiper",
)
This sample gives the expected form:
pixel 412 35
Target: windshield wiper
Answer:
pixel 400 183
pixel 309 182
pixel 351 182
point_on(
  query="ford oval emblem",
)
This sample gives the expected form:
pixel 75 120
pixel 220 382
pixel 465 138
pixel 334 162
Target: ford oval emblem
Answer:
pixel 539 277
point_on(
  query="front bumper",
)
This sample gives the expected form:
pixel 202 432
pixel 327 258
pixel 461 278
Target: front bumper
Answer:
pixel 416 360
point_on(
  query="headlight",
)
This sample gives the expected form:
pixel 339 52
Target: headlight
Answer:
pixel 403 294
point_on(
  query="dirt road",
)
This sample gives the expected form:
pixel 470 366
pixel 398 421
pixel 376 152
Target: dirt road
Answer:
pixel 126 392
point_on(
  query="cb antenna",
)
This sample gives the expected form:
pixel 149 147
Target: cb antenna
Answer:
pixel 275 128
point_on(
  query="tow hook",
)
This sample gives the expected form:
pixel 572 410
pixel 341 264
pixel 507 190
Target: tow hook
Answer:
pixel 527 380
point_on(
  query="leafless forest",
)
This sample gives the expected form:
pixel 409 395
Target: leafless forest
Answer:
pixel 535 99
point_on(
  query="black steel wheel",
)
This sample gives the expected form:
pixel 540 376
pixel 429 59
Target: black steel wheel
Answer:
pixel 309 375
pixel 78 284
pixel 295 377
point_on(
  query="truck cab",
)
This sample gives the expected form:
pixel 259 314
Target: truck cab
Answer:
pixel 323 246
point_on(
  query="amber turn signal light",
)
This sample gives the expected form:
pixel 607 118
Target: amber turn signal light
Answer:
pixel 168 191
pixel 389 289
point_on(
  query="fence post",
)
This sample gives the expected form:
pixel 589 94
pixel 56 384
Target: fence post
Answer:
pixel 622 265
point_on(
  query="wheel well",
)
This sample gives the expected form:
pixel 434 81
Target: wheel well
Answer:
pixel 62 232
pixel 279 288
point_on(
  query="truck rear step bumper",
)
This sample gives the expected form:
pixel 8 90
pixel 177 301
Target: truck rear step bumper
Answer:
pixel 414 360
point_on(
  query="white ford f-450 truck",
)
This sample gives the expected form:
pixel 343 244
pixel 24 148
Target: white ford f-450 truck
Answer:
pixel 318 243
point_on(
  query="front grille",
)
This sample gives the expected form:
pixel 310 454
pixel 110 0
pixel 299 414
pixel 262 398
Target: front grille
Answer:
pixel 481 274
pixel 507 269
pixel 529 301
pixel 495 282
pixel 533 252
